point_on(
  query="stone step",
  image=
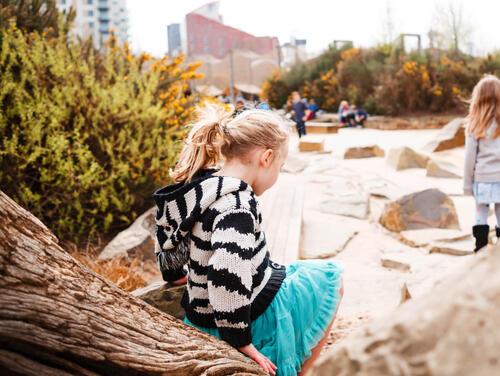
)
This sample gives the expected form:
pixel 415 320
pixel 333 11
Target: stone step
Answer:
pixel 320 127
pixel 311 143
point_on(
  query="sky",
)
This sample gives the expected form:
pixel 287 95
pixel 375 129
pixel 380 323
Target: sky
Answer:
pixel 318 21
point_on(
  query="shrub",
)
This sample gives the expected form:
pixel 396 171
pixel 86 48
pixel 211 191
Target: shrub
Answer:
pixel 85 137
pixel 385 79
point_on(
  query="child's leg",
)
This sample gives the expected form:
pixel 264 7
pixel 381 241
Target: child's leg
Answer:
pixel 317 350
pixel 497 214
pixel 482 214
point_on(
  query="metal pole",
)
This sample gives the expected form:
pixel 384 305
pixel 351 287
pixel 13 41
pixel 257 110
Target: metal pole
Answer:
pixel 231 76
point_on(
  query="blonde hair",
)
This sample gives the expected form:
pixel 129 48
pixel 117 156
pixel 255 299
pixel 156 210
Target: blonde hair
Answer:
pixel 217 136
pixel 484 107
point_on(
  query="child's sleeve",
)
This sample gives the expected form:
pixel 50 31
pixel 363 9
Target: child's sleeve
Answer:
pixel 230 275
pixel 470 163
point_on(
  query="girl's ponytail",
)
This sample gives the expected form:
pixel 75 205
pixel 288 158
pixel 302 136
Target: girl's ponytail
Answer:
pixel 203 144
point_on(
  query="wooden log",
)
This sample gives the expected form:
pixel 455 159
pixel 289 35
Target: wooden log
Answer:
pixel 59 318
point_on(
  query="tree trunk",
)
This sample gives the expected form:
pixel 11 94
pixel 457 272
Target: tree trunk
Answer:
pixel 57 317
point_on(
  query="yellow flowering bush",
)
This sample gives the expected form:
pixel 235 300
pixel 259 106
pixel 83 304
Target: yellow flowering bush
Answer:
pixel 85 137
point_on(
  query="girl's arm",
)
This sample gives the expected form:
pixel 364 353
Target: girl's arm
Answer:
pixel 470 162
pixel 230 281
pixel 230 275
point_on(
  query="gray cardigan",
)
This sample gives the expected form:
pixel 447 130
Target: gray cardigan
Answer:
pixel 482 159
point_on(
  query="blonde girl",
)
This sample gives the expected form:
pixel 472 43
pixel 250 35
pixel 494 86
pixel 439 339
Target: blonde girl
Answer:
pixel 482 155
pixel 210 221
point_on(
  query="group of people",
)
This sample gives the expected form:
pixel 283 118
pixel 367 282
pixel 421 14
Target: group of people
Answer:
pixel 351 115
pixel 303 111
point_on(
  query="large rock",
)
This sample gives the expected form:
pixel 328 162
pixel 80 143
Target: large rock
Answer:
pixel 451 136
pixel 441 169
pixel 405 157
pixel 364 152
pixel 454 329
pixel 164 296
pixel 430 208
pixel 135 241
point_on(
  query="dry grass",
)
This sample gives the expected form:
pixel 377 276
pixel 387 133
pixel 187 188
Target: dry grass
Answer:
pixel 128 274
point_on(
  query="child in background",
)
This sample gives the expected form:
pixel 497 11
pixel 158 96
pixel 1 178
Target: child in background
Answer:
pixel 210 220
pixel 482 155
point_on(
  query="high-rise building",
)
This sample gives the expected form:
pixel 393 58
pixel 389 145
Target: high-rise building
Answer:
pixel 294 52
pixel 174 39
pixel 96 18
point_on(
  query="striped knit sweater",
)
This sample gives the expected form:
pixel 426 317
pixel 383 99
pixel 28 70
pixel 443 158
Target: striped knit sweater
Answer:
pixel 212 225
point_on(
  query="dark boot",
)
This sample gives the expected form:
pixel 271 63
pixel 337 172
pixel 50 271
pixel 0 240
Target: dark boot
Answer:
pixel 497 230
pixel 480 233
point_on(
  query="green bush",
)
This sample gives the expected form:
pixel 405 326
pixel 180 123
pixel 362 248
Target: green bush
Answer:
pixel 85 137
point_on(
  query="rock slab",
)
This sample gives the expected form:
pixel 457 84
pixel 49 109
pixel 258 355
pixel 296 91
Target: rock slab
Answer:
pixel 430 208
pixel 166 297
pixel 364 152
pixel 405 157
pixel 135 241
pixel 451 330
pixel 441 169
pixel 452 135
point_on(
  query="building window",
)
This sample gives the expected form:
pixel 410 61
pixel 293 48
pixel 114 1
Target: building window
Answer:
pixel 90 2
pixel 91 25
pixel 90 13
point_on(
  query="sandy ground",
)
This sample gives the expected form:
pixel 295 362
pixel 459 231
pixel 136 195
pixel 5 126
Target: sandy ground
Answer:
pixel 372 290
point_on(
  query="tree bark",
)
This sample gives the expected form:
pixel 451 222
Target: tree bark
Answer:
pixel 58 318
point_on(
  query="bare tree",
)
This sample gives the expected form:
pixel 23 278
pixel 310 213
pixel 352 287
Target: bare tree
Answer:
pixel 388 23
pixel 452 30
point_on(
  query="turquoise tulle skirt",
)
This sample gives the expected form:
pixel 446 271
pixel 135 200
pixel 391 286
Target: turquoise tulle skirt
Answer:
pixel 298 316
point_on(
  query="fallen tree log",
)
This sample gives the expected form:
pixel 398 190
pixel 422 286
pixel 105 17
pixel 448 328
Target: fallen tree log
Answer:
pixel 59 318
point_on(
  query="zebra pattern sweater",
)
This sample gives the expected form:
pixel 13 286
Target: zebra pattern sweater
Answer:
pixel 213 225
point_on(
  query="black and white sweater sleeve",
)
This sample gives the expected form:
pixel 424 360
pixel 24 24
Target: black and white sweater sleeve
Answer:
pixel 230 274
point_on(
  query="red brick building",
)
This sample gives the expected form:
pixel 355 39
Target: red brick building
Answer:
pixel 206 36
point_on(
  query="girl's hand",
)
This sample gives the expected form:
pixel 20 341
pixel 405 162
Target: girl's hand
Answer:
pixel 260 359
pixel 180 281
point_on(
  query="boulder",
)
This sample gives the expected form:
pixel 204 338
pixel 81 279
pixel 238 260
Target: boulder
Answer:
pixel 364 152
pixel 441 169
pixel 405 157
pixel 452 135
pixel 430 208
pixel 135 241
pixel 164 296
pixel 454 329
